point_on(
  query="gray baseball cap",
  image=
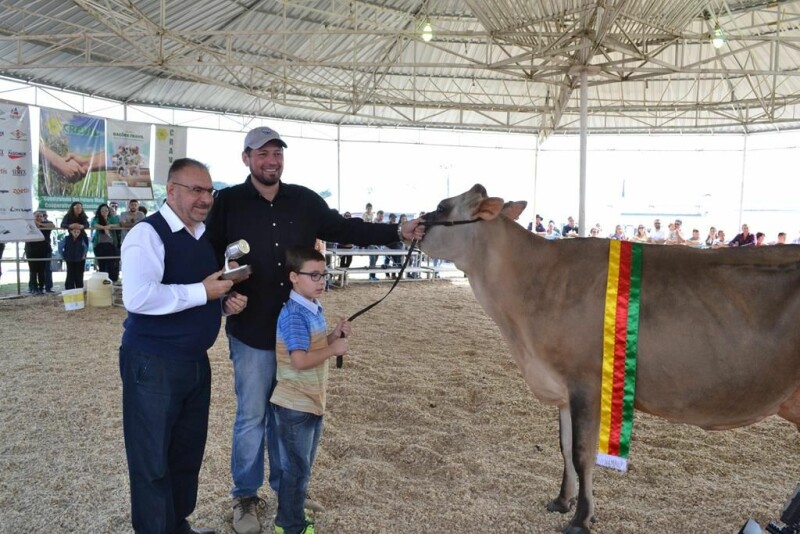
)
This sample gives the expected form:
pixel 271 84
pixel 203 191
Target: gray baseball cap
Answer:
pixel 260 136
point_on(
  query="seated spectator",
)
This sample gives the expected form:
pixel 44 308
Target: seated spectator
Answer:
pixel 760 237
pixel 744 239
pixel 657 235
pixel 570 229
pixel 675 236
pixel 552 232
pixel 537 227
pixel 641 235
pixel 781 239
pixel 618 234
pixel 721 242
pixel 695 240
pixel 711 238
pixel 594 232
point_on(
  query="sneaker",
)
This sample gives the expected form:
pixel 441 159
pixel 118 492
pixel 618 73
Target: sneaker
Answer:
pixel 308 530
pixel 245 514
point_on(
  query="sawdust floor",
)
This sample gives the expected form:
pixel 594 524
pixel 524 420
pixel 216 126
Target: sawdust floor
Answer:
pixel 430 429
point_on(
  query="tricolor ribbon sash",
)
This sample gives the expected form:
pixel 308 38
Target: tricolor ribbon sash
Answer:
pixel 620 345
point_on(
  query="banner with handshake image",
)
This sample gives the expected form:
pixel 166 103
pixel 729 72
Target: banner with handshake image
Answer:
pixel 72 159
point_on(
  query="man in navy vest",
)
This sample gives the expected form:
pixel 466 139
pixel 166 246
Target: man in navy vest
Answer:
pixel 175 298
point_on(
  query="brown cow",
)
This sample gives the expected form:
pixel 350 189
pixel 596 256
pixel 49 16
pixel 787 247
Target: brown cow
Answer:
pixel 740 364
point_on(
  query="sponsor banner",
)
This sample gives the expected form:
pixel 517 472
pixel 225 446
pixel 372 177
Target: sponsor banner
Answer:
pixel 128 160
pixel 72 161
pixel 16 175
pixel 170 145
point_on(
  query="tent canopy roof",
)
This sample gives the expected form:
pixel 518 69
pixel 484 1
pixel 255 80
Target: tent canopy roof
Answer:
pixel 505 65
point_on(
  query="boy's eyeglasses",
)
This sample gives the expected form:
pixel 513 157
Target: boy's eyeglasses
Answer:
pixel 317 276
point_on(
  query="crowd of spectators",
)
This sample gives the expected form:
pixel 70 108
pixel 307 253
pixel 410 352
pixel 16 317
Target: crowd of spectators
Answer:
pixel 674 234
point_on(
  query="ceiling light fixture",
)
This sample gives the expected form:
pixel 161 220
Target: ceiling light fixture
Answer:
pixel 718 38
pixel 427 32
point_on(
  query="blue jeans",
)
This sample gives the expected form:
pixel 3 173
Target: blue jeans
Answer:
pixel 165 422
pixel 299 434
pixel 254 380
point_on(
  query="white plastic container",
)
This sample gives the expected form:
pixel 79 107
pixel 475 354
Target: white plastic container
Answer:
pixel 98 290
pixel 73 299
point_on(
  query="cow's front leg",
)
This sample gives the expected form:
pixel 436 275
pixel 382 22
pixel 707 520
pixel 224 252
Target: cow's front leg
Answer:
pixel 585 415
pixel 569 480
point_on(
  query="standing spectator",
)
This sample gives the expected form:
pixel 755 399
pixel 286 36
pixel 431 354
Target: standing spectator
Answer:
pixel 570 229
pixel 76 246
pixel 303 348
pixel 130 217
pixel 675 236
pixel 174 316
pixel 394 260
pixel 720 240
pixel 373 260
pixel 75 218
pixel 537 227
pixel 346 261
pixel 272 216
pixel 48 265
pixel 40 252
pixel 594 232
pixel 695 240
pixel 744 239
pixel 760 236
pixel 104 241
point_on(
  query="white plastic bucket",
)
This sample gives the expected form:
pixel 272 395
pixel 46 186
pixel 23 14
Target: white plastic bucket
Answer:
pixel 98 290
pixel 73 299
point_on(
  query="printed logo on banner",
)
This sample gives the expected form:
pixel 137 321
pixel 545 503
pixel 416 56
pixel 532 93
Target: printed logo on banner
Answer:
pixel 19 171
pixel 2 133
pixel 13 154
pixel 24 210
pixel 2 152
pixel 3 171
pixel 15 114
pixel 21 190
pixel 19 135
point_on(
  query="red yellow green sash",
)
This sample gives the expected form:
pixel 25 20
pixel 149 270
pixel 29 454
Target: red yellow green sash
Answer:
pixel 620 345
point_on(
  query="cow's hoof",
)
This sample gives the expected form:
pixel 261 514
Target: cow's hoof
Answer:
pixel 576 530
pixel 561 506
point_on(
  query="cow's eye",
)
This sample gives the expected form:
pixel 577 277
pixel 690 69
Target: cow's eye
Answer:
pixel 439 209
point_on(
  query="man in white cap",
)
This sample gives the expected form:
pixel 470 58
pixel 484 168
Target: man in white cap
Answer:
pixel 272 217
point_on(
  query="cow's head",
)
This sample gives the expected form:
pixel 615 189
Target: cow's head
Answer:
pixel 474 206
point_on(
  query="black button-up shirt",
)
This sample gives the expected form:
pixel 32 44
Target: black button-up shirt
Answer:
pixel 297 216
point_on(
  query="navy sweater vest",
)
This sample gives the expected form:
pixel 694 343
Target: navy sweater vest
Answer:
pixel 188 334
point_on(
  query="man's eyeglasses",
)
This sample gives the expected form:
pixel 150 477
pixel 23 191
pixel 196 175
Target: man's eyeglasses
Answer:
pixel 197 190
pixel 316 276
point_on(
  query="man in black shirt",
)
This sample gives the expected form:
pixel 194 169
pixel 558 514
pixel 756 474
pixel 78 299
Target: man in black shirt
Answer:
pixel 272 217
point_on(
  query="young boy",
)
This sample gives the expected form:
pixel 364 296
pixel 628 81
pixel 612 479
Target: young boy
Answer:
pixel 302 351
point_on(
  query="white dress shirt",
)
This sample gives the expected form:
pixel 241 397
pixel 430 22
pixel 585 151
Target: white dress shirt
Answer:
pixel 143 270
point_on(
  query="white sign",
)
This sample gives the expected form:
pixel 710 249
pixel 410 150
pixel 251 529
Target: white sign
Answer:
pixel 16 176
pixel 170 145
pixel 128 161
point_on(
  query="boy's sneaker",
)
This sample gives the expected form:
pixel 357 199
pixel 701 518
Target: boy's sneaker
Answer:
pixel 245 514
pixel 308 530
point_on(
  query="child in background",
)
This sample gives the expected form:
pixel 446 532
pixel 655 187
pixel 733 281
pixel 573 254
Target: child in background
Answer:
pixel 302 349
pixel 76 245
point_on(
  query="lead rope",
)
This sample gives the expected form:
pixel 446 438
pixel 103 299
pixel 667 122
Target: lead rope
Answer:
pixel 340 359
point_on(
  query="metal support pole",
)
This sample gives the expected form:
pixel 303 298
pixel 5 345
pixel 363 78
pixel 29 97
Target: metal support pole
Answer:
pixel 583 223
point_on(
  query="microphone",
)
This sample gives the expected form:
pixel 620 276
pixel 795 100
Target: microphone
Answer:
pixel 234 251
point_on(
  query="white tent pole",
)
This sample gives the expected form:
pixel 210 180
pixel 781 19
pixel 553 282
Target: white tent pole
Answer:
pixel 582 222
pixel 339 167
pixel 741 190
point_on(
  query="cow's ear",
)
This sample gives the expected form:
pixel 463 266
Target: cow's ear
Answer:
pixel 489 208
pixel 514 208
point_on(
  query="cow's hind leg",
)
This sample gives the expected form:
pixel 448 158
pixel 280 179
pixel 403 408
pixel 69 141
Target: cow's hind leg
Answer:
pixel 569 480
pixel 790 410
pixel 585 416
